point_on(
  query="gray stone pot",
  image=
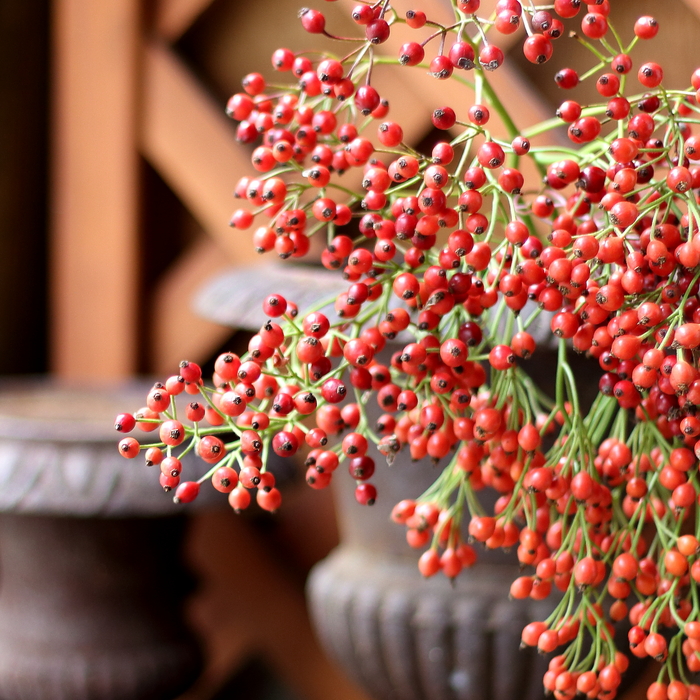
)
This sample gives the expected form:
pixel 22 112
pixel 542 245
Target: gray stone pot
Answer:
pixel 403 637
pixel 93 586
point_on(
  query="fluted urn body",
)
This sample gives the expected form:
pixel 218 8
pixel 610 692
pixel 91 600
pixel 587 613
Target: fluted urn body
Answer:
pixel 403 637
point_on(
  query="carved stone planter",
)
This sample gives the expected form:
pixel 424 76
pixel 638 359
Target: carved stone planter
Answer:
pixel 406 638
pixel 92 585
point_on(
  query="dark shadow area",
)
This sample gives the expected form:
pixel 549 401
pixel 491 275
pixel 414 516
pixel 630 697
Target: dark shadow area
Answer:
pixel 254 681
pixel 24 119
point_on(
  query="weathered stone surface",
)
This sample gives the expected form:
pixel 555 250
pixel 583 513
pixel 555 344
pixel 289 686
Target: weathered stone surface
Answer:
pixel 58 453
pixel 92 588
pixel 404 637
pixel 91 609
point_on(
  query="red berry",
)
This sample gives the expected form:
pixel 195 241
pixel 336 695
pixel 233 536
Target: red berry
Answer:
pixel 312 20
pixel 285 443
pixel 444 118
pixel 538 48
pixel 441 67
pixel 190 371
pixel 365 494
pixel 269 500
pixel 172 432
pixel 377 31
pixel 186 492
pixel 491 57
pixel 225 479
pixel 646 27
pixel 566 78
pixel 124 423
pixel 129 448
pixel 239 499
pixel 366 99
pixel 594 25
pixel 650 75
pixel 211 449
pixel 415 19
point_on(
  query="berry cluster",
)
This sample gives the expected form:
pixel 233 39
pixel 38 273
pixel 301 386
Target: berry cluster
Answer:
pixel 452 259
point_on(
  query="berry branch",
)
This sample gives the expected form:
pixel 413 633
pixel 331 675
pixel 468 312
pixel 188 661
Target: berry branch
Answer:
pixel 460 271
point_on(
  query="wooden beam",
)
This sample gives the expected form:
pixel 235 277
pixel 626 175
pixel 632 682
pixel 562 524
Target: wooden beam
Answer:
pixel 94 238
pixel 174 17
pixel 177 332
pixel 190 142
pixel 693 5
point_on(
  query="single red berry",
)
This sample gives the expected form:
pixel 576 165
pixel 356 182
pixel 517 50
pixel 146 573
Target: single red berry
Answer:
pixel 154 456
pixel 441 67
pixel 429 563
pixel 367 99
pixel 285 443
pixel 225 479
pixel 520 145
pixel 377 31
pixel 444 118
pixel 646 27
pixel 186 492
pixel 172 432
pixel 168 482
pixel 650 75
pixel 415 19
pixel 566 78
pixel 594 25
pixel 507 22
pixel 567 8
pixel 490 155
pixel 190 371
pixel 211 449
pixel 313 21
pixel 491 57
pixel 124 423
pixel 538 48
pixel 239 499
pixel 158 399
pixel 365 494
pixel 269 500
pixel 129 448
pixel 584 130
pixel 282 60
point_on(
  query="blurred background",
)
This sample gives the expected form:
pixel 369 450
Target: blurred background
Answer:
pixel 117 167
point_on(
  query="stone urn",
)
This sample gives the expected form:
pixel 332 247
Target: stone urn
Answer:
pixel 403 637
pixel 92 584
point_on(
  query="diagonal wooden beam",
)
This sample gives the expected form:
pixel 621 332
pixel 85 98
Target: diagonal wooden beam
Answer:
pixel 693 5
pixel 174 17
pixel 187 138
pixel 177 333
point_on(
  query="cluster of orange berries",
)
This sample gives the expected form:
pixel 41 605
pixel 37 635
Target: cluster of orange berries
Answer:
pixel 452 257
